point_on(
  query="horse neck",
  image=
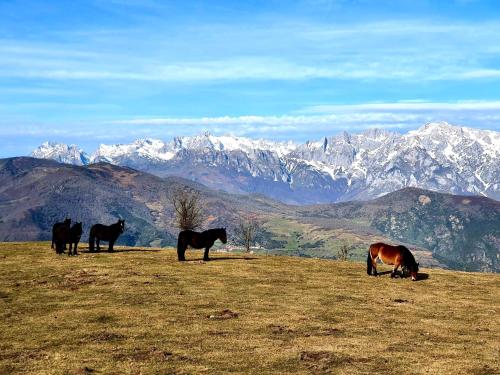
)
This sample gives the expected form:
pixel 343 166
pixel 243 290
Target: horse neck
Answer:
pixel 213 234
pixel 408 259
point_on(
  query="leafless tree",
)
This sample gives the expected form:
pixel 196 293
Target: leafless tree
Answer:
pixel 246 231
pixel 343 253
pixel 188 208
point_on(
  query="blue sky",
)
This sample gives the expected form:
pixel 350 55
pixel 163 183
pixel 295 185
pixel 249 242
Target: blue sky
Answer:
pixel 110 71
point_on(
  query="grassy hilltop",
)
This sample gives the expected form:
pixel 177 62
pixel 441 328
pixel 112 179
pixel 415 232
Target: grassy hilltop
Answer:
pixel 140 311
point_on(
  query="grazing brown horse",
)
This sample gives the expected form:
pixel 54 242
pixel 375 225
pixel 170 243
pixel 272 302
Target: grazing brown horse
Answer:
pixel 393 255
pixel 198 240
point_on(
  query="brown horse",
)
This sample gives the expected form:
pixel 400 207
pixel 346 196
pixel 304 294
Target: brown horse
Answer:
pixel 393 255
pixel 196 240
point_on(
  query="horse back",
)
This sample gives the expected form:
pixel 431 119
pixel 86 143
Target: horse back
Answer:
pixel 193 239
pixel 387 253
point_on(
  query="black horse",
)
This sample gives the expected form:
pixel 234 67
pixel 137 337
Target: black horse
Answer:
pixel 109 233
pixel 61 235
pixel 196 240
pixel 54 228
pixel 75 233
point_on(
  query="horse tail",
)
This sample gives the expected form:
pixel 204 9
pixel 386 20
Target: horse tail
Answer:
pixel 369 264
pixel 91 239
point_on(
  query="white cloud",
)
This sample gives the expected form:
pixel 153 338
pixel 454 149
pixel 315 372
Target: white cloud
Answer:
pixel 407 51
pixel 410 106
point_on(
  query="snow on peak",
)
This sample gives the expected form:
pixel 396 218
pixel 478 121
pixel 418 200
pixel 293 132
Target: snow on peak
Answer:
pixel 61 152
pixel 436 156
pixel 148 148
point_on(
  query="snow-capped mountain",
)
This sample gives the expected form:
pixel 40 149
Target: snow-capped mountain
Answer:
pixel 438 156
pixel 61 153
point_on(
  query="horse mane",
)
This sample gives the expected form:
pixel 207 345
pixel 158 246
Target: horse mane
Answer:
pixel 216 229
pixel 408 258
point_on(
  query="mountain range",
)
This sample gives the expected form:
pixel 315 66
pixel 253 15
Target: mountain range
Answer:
pixel 344 167
pixel 461 232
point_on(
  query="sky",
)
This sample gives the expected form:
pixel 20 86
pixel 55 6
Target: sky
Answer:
pixel 112 71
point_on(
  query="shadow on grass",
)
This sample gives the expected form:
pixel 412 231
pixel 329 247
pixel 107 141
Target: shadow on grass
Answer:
pixel 234 258
pixel 421 275
pixel 222 258
pixel 105 250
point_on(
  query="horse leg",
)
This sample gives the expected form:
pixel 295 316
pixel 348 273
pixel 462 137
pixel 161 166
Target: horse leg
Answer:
pixel 181 254
pixel 205 256
pixel 110 247
pixel 374 265
pixel 74 249
pixel 394 270
pixel 97 243
pixel 181 249
pixel 70 248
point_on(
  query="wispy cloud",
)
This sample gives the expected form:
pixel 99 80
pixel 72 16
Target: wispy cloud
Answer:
pixel 328 119
pixel 407 51
pixel 409 106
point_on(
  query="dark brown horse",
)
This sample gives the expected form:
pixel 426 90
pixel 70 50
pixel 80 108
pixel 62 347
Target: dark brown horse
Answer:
pixel 75 233
pixel 109 233
pixel 54 228
pixel 204 240
pixel 60 236
pixel 393 255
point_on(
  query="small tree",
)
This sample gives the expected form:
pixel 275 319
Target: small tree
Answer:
pixel 188 208
pixel 343 253
pixel 246 231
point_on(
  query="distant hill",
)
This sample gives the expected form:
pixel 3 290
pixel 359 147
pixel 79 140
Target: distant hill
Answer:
pixel 458 231
pixel 462 231
pixel 35 193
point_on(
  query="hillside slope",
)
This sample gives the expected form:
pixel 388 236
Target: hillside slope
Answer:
pixel 140 311
pixel 35 193
pixel 460 232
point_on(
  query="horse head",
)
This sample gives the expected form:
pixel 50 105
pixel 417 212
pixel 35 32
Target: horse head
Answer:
pixel 121 224
pixel 414 274
pixel 67 221
pixel 223 235
pixel 413 269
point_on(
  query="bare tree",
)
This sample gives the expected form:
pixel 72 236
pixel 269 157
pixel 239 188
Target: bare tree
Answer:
pixel 246 231
pixel 343 253
pixel 188 208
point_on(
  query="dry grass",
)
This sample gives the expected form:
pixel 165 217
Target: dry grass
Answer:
pixel 139 311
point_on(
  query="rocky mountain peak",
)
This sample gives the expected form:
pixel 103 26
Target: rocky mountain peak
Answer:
pixel 437 156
